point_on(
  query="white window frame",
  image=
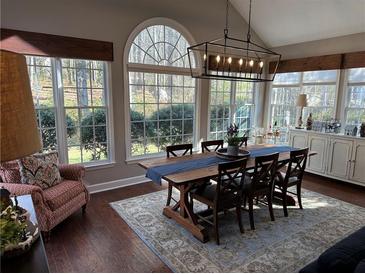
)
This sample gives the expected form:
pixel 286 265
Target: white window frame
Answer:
pixel 347 93
pixel 232 105
pixel 136 67
pixel 60 114
pixel 300 85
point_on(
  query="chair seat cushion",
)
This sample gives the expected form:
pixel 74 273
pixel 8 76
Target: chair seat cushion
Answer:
pixel 60 194
pixel 247 186
pixel 209 191
pixel 292 180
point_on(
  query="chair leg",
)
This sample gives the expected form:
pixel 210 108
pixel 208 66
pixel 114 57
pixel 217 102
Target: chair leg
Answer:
pixel 244 201
pixel 269 202
pixel 169 194
pixel 250 212
pixel 299 195
pixel 239 218
pixel 285 203
pixel 215 220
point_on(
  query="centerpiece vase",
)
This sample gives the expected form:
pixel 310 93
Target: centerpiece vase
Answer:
pixel 233 150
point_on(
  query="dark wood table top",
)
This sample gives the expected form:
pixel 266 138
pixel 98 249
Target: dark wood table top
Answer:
pixel 206 172
pixel 35 259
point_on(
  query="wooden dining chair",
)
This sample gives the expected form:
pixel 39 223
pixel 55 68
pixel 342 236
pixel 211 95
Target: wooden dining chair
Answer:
pixel 243 141
pixel 292 177
pixel 224 195
pixel 260 183
pixel 207 145
pixel 173 150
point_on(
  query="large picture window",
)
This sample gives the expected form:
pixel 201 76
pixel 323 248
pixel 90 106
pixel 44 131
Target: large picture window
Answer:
pixel 230 102
pixel 70 100
pixel 161 91
pixel 355 103
pixel 321 90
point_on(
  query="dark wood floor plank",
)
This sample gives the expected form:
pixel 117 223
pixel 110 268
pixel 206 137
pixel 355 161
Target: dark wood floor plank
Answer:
pixel 347 192
pixel 102 241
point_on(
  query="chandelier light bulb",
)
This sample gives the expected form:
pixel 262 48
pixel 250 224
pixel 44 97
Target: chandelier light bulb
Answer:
pixel 205 57
pixel 229 60
pixel 261 64
pixel 251 63
pixel 218 58
pixel 240 62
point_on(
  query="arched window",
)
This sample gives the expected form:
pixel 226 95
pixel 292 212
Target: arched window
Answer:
pixel 161 97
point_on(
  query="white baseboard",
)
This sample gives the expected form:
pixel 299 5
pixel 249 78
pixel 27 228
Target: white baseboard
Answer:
pixel 117 184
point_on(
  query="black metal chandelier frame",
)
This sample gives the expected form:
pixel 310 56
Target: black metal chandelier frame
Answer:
pixel 246 64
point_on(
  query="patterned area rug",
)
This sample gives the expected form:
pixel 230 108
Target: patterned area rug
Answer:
pixel 286 245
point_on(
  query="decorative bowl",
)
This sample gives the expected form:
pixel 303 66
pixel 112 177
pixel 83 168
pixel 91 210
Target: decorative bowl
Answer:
pixel 222 153
pixel 31 235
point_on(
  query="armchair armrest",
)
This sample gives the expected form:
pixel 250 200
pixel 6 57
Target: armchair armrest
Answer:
pixel 72 171
pixel 23 189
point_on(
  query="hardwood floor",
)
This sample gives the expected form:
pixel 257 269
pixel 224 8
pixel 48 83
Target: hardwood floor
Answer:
pixel 100 241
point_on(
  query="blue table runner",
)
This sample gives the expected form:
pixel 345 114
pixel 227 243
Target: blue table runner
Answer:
pixel 156 173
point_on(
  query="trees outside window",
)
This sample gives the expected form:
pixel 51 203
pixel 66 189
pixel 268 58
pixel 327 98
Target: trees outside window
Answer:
pixel 355 103
pixel 230 102
pixel 320 87
pixel 70 100
pixel 161 92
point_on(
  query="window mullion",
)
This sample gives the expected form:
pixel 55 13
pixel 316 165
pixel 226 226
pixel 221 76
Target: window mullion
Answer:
pixel 233 105
pixel 60 111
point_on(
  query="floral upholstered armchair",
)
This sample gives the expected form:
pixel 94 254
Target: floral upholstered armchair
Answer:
pixel 55 203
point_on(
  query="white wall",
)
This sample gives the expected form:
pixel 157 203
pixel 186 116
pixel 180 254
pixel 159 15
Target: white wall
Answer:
pixel 342 44
pixel 114 20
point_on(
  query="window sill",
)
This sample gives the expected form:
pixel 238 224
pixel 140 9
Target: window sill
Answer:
pixel 96 166
pixel 137 159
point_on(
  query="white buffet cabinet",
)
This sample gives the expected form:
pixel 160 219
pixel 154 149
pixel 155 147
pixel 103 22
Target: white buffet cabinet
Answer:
pixel 339 156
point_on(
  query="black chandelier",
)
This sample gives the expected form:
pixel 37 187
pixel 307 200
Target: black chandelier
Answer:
pixel 234 59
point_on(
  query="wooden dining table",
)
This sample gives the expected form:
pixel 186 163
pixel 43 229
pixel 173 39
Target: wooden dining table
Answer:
pixel 182 211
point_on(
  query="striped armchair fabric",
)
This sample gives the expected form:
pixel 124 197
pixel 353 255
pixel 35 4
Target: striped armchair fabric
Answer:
pixel 55 204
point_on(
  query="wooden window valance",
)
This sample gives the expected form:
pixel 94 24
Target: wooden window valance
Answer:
pixel 354 60
pixel 42 44
pixel 324 62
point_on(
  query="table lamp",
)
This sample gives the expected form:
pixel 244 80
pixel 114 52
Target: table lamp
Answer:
pixel 19 135
pixel 301 102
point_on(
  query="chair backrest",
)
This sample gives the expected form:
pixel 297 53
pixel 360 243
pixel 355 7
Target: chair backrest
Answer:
pixel 231 177
pixel 207 145
pixel 297 163
pixel 265 170
pixel 243 141
pixel 185 148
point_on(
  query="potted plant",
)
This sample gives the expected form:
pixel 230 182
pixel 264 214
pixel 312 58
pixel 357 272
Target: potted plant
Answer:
pixel 17 232
pixel 233 140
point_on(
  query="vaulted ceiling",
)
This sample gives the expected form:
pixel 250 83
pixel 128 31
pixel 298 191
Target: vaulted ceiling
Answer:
pixel 285 22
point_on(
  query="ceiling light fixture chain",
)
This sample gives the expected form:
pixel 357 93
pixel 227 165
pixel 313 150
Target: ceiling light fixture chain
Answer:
pixel 249 23
pixel 227 10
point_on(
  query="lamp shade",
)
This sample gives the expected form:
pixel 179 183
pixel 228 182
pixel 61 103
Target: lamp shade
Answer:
pixel 18 125
pixel 302 100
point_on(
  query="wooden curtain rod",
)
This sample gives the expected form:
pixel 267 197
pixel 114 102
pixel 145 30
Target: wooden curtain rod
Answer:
pixel 50 45
pixel 324 62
